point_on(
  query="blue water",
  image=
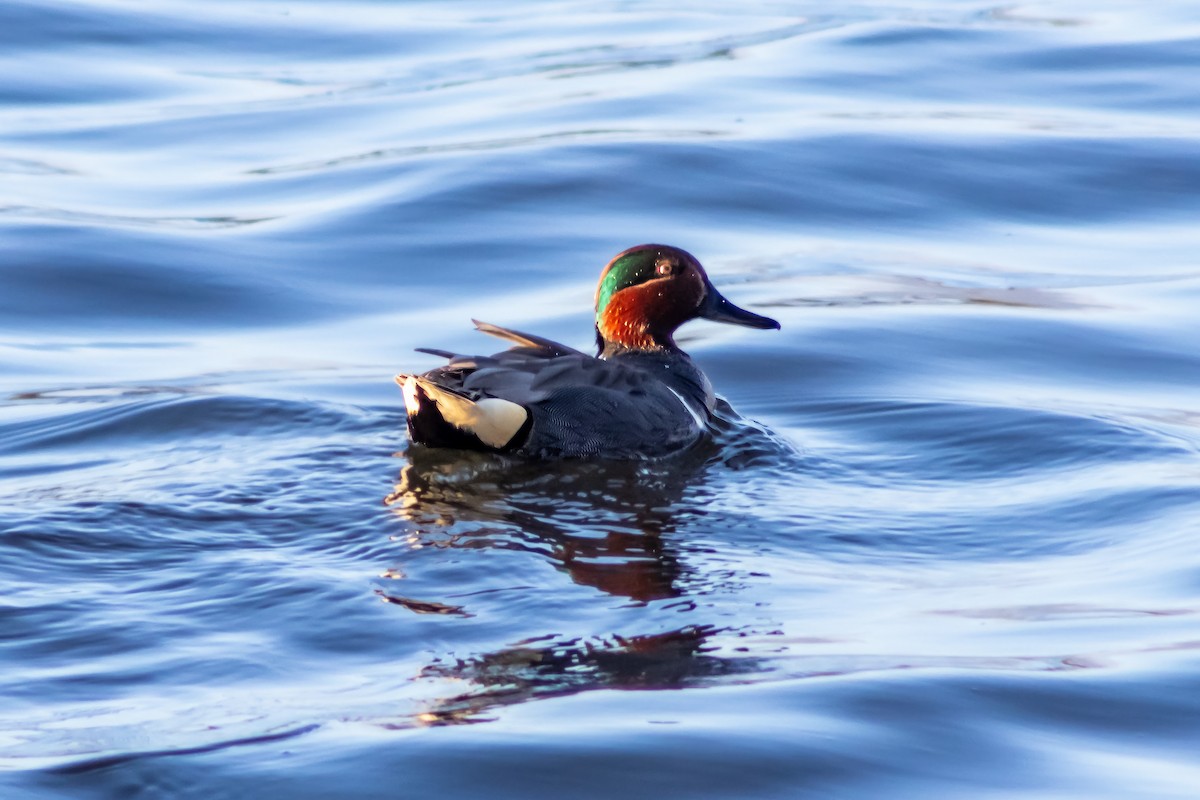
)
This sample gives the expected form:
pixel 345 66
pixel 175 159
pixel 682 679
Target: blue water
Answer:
pixel 943 543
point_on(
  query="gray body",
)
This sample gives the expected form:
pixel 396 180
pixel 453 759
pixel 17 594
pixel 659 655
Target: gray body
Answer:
pixel 629 404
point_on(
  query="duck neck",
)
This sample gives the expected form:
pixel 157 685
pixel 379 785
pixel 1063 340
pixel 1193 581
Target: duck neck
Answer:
pixel 625 340
pixel 641 318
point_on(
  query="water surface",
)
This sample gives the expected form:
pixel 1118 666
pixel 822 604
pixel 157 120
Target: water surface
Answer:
pixel 941 542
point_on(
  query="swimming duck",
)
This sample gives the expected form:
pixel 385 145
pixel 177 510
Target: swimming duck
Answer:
pixel 640 396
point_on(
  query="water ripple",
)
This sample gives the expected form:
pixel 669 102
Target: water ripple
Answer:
pixel 943 546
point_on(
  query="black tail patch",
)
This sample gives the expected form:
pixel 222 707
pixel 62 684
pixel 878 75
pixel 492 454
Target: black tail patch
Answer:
pixel 431 429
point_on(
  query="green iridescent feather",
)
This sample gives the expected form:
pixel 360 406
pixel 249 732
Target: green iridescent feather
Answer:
pixel 629 271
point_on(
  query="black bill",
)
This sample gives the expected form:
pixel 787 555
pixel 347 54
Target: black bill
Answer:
pixel 718 309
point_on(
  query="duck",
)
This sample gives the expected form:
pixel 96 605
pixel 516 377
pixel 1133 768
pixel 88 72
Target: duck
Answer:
pixel 639 397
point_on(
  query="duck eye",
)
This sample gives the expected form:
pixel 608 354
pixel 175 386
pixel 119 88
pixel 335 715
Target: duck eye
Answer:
pixel 664 266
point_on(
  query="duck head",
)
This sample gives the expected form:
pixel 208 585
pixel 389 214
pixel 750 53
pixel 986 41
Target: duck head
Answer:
pixel 648 291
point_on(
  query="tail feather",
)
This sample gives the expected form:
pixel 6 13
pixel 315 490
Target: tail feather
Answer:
pixel 440 417
pixel 433 351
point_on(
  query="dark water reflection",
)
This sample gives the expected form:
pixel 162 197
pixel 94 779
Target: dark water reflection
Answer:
pixel 607 524
pixel 617 527
pixel 677 659
pixel 601 523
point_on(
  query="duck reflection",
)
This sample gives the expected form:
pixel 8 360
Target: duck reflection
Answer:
pixel 674 660
pixel 606 525
pixel 601 523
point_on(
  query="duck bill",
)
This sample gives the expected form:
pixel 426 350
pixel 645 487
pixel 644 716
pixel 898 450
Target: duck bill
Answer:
pixel 718 309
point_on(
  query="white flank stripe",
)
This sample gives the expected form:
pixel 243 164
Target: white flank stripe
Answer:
pixel 695 414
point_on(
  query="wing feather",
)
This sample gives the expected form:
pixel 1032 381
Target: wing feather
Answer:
pixel 551 347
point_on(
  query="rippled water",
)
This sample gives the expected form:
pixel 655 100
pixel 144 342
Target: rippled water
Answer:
pixel 944 547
